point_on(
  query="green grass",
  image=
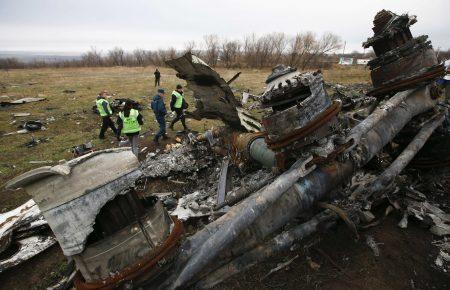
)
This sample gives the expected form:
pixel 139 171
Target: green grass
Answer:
pixel 74 121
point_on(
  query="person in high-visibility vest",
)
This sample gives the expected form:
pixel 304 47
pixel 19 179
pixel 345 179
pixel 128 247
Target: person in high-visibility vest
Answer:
pixel 130 122
pixel 104 109
pixel 177 105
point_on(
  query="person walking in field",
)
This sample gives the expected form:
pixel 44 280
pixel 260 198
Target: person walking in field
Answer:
pixel 157 77
pixel 104 109
pixel 159 108
pixel 130 122
pixel 178 104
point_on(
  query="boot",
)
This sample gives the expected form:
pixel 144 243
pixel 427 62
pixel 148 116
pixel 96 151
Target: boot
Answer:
pixel 165 137
pixel 155 140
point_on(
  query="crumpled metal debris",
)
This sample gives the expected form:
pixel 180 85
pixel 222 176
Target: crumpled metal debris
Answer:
pixel 28 248
pixel 103 184
pixel 196 204
pixel 438 220
pixel 26 228
pixel 442 260
pixel 182 159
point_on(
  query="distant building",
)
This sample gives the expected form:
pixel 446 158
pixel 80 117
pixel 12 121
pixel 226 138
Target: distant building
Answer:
pixel 363 61
pixel 346 60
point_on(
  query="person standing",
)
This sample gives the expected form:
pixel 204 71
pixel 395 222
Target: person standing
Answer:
pixel 159 108
pixel 178 104
pixel 104 109
pixel 157 77
pixel 129 123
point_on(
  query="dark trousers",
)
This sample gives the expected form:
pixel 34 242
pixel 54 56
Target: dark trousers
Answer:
pixel 162 127
pixel 107 123
pixel 157 81
pixel 179 117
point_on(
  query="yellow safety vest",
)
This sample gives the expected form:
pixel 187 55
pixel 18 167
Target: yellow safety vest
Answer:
pixel 130 123
pixel 100 108
pixel 179 102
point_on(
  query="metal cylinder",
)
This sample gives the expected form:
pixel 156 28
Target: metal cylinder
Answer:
pixel 260 153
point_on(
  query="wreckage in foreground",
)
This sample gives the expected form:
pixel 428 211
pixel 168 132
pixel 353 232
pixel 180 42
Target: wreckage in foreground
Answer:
pixel 110 214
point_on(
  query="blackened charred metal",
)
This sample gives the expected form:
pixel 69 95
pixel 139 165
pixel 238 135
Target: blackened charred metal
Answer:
pixel 302 113
pixel 402 62
pixel 213 97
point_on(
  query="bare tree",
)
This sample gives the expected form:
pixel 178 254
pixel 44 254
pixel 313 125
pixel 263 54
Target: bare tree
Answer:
pixel 229 52
pixel 190 47
pixel 279 45
pixel 139 57
pixel 249 50
pixel 212 49
pixel 116 56
pixel 304 50
pixel 300 46
pixel 92 58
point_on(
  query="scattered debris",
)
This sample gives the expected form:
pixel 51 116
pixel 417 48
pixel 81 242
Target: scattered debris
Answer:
pixel 373 245
pixel 83 149
pixel 442 260
pixel 15 115
pixel 28 126
pixel 35 141
pixel 24 228
pixel 40 161
pixel 28 248
pixel 279 267
pixel 196 204
pixel 21 101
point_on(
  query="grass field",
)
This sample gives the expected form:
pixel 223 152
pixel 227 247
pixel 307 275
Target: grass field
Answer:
pixel 74 123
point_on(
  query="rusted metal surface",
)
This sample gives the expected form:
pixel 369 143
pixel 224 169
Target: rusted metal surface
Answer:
pixel 241 147
pixel 402 62
pixel 300 133
pixel 145 266
pixel 422 77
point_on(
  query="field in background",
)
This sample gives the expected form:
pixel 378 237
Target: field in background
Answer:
pixel 69 118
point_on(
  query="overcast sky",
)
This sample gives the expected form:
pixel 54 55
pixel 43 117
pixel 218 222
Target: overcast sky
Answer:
pixel 77 25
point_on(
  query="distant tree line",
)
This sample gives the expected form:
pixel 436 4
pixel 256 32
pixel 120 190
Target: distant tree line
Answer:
pixel 303 50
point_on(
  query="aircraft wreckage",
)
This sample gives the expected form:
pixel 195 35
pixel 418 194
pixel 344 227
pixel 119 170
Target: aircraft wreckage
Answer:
pixel 119 219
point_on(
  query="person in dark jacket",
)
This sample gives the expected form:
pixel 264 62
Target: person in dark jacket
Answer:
pixel 130 122
pixel 105 111
pixel 157 77
pixel 159 108
pixel 178 104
